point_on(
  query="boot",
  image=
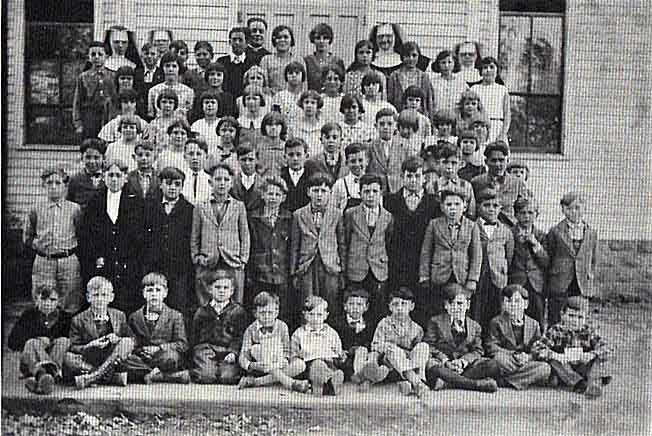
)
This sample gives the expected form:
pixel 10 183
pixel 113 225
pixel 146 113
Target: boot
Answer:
pixel 103 372
pixel 153 376
pixel 335 382
pixel 458 381
pixel 182 377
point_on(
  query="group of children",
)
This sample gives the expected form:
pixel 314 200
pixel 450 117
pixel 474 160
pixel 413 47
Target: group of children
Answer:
pixel 389 253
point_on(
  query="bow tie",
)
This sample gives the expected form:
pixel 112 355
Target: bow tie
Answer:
pixel 486 224
pixel 458 326
pixel 266 330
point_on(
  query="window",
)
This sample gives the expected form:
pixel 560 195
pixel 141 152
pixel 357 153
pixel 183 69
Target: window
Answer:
pixel 530 51
pixel 58 33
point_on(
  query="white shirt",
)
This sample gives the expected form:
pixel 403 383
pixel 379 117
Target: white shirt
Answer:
pixel 203 187
pixel 488 228
pixel 372 215
pixel 237 59
pixel 295 175
pixel 208 133
pixel 113 205
pixel 248 181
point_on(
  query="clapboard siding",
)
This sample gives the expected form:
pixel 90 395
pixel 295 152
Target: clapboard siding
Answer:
pixel 15 66
pixel 191 20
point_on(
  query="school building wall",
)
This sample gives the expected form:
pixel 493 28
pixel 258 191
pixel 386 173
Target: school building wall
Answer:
pixel 606 113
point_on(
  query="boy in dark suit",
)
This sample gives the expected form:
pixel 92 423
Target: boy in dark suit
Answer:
pixel 412 209
pixel 160 336
pixel 530 259
pixel 317 244
pixel 386 156
pixel 572 247
pixel 455 342
pixel 100 339
pixel 41 337
pixel 451 251
pixel 368 230
pixel 356 332
pixel 237 62
pixel 168 226
pixel 218 328
pixel 85 184
pixel 575 350
pixel 509 342
pixel 247 184
pixel 295 176
pixel 112 237
pixel 497 253
pixel 143 181
pixel 332 160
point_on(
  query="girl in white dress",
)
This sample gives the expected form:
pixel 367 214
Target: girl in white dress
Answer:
pixel 448 87
pixel 495 99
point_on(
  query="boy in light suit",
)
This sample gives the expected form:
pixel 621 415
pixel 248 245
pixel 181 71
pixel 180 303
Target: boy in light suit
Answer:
pixel 572 247
pixel 367 233
pixel 509 342
pixel 451 251
pixel 317 244
pixel 497 253
pixel 220 234
pixel 386 155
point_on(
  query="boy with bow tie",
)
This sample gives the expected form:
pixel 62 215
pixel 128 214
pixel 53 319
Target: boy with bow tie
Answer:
pixel 356 332
pixel 86 183
pixel 346 190
pixel 265 349
pixel 160 336
pixel 497 253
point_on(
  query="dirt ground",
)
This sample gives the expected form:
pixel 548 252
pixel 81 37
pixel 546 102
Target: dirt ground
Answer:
pixel 624 409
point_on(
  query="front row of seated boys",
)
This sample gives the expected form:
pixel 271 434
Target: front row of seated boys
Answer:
pixel 102 346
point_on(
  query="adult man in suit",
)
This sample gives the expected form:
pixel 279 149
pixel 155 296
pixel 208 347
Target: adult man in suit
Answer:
pixel 509 188
pixel 256 48
pixel 368 230
pixel 236 63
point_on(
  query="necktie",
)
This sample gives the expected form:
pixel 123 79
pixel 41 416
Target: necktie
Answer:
pixel 145 182
pixel 455 229
pixel 317 217
pixel 168 207
pixel 251 125
pixel 194 186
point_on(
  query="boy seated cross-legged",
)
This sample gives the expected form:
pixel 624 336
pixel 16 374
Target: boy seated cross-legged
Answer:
pixel 100 339
pixel 266 349
pixel 160 337
pixel 218 327
pixel 455 342
pixel 41 336
pixel 397 345
pixel 575 350
pixel 510 339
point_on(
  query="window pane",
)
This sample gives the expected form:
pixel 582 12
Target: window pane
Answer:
pixel 71 69
pixel 44 81
pixel 43 126
pixel 75 40
pixel 67 135
pixel 546 55
pixel 513 49
pixel 544 123
pixel 518 126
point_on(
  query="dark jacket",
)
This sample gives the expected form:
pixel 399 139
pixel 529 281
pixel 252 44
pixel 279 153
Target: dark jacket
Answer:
pixel 297 195
pixel 223 330
pixel 270 247
pixel 169 331
pixel 31 324
pixel 349 337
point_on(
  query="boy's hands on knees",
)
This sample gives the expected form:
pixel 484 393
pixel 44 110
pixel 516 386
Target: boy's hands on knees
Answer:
pixel 230 358
pixel 112 338
pixel 342 356
pixel 79 130
pixel 260 366
pixel 98 343
pixel 456 365
pixel 471 285
pixel 99 263
pixel 522 358
pixel 201 260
